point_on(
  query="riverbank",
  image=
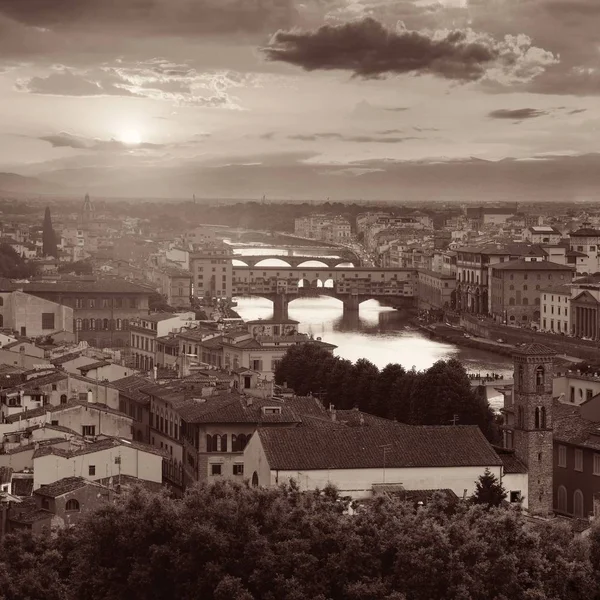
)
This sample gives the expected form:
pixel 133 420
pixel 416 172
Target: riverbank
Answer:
pixel 455 336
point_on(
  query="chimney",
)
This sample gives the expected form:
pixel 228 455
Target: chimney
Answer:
pixel 248 400
pixel 332 411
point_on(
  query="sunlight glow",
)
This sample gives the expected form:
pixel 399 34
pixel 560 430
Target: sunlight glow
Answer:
pixel 130 136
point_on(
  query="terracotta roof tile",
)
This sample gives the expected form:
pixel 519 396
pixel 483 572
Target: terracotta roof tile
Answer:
pixel 62 486
pixel 302 448
pixel 533 349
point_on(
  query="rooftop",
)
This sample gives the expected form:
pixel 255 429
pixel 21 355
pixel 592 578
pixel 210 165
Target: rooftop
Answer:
pixel 585 232
pixel 62 486
pixel 572 428
pixel 86 286
pixel 534 349
pixel 300 448
pixel 531 265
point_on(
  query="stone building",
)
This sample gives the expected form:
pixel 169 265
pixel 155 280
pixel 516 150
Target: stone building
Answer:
pixel 436 290
pixel 515 288
pixel 212 270
pixel 555 308
pixel 102 308
pixel 528 422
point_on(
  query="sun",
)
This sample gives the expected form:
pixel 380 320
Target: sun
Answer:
pixel 131 137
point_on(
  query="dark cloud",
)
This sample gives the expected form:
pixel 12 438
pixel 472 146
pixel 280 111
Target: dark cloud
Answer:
pixel 68 140
pixel 369 49
pixel 576 111
pixel 362 139
pixel 398 109
pixel 155 17
pixel 517 114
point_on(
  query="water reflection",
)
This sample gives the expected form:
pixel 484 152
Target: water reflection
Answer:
pixel 378 333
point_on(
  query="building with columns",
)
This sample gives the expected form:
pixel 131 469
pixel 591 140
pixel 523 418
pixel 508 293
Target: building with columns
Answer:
pixel 585 309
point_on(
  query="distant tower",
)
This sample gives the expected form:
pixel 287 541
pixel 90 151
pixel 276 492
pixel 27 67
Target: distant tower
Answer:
pixel 87 213
pixel 533 422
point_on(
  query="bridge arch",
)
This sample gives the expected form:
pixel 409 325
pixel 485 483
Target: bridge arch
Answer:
pixel 280 262
pixel 312 262
pixel 344 264
pixel 303 283
pixel 329 283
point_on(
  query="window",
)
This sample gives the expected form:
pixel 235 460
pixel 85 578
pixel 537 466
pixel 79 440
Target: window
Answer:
pixel 515 497
pixel 63 398
pixel 91 470
pixel 578 460
pixel 47 320
pixel 562 457
pixel 238 469
pixel 78 324
pixel 596 470
pixel 216 469
pixel 89 430
pixel 72 505
pixel 105 303
pixel 54 388
pixel 78 302
pixel 562 499
pixel 578 504
pixel 539 376
pixel 92 303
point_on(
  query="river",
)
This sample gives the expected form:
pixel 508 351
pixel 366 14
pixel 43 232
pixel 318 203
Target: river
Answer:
pixel 380 334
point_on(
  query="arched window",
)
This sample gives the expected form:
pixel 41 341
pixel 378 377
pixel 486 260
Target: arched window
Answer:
pixel 511 301
pixel 238 442
pixel 119 324
pixel 78 324
pixel 72 505
pixel 561 501
pixel 209 443
pixel 543 418
pixel 512 287
pixel 63 398
pixel 125 324
pixel 578 504
pixel 92 324
pixel 537 417
pixel 105 324
pixel 255 479
pixel 525 301
pixel 99 323
pixel 512 317
pixel 539 375
pixel 524 288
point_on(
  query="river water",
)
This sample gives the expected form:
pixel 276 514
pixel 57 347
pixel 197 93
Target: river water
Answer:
pixel 381 334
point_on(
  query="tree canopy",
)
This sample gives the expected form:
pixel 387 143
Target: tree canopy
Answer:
pixel 13 266
pixel 431 397
pixel 49 245
pixel 229 541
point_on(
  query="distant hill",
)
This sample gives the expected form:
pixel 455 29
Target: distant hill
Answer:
pixel 11 182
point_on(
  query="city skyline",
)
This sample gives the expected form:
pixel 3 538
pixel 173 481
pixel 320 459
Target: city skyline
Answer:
pixel 341 99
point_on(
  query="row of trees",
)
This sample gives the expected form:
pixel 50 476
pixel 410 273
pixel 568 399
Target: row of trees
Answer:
pixel 433 397
pixel 231 542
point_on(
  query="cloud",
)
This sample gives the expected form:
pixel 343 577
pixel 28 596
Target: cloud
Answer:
pixel 370 50
pixel 68 140
pixel 517 114
pixel 64 82
pixel 156 79
pixel 155 17
pixel 362 139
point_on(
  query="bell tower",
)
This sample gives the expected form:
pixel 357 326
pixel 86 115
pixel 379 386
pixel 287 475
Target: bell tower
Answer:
pixel 533 422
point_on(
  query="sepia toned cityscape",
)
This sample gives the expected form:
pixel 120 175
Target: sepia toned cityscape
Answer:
pixel 299 300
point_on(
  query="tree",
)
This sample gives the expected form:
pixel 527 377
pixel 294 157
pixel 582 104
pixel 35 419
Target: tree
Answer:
pixel 158 303
pixel 79 267
pixel 13 266
pixel 488 490
pixel 49 246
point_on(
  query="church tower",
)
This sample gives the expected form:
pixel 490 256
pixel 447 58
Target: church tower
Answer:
pixel 532 422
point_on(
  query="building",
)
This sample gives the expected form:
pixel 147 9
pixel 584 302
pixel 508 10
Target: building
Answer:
pixel 529 422
pixel 135 403
pixel 357 458
pixel 323 227
pixel 542 234
pixel 577 458
pixel 585 311
pixel 105 458
pixel 516 288
pixel 31 316
pixel 490 215
pixel 172 282
pixel 555 308
pixel 575 387
pixel 102 308
pixel 436 290
pixel 199 237
pixel 146 330
pixel 587 241
pixel 71 499
pixel 212 270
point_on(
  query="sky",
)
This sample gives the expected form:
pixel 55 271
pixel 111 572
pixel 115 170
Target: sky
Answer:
pixel 243 97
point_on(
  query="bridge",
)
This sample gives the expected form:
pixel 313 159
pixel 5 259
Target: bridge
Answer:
pixel 352 286
pixel 298 261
